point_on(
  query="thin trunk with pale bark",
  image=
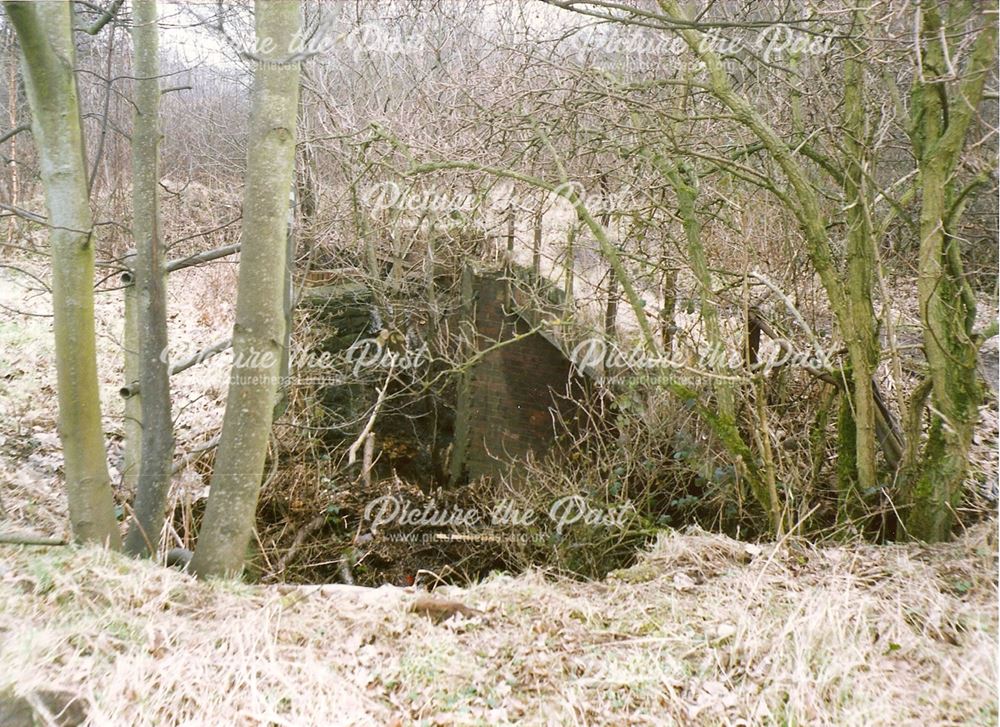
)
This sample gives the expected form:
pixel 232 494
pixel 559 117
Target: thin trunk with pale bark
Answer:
pixel 150 289
pixel 259 332
pixel 45 33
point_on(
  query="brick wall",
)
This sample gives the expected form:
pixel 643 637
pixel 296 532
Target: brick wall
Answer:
pixel 511 393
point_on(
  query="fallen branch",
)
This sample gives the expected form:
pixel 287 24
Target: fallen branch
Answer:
pixel 14 538
pixel 199 357
pixel 203 257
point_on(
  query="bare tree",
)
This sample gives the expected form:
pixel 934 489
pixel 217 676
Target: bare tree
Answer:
pixel 150 281
pixel 945 102
pixel 45 33
pixel 260 317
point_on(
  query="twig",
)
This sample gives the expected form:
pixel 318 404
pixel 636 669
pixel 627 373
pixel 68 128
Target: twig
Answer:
pixel 300 537
pixel 201 356
pixel 105 115
pixel 132 389
pixel 30 216
pixel 203 257
pixel 182 462
pixel 104 19
pixel 13 132
pixel 352 453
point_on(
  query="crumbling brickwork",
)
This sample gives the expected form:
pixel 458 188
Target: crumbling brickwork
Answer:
pixel 508 400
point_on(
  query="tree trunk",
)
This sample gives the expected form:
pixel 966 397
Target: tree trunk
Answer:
pixel 569 269
pixel 260 320
pixel 150 289
pixel 846 301
pixel 510 232
pixel 44 30
pixel 682 181
pixel 536 240
pixel 947 306
pixel 132 426
pixel 611 307
pixel 860 329
pixel 288 307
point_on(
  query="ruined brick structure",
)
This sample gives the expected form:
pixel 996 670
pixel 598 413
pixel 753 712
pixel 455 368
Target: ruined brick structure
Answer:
pixel 505 404
pixel 508 399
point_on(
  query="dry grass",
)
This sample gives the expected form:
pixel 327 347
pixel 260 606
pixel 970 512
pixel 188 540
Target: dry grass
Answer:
pixel 704 630
pixel 32 496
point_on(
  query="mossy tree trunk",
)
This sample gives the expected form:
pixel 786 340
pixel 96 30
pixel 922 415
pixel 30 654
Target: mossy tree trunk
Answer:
pixel 260 319
pixel 850 302
pixel 945 101
pixel 861 333
pixel 157 446
pixel 45 33
pixel 942 112
pixel 682 180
